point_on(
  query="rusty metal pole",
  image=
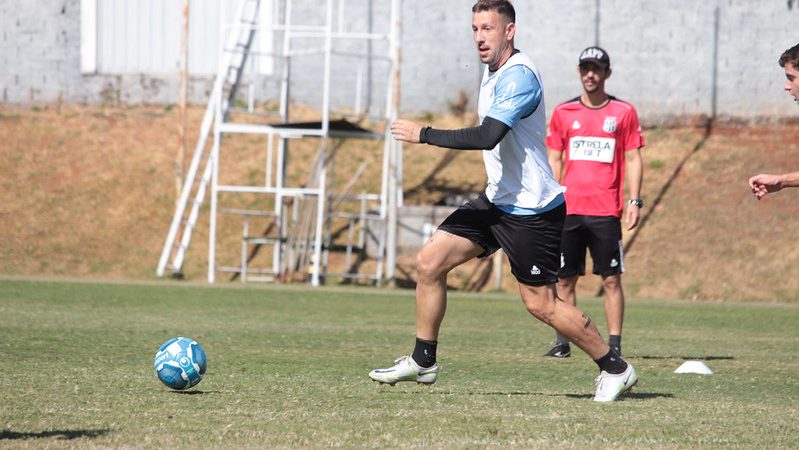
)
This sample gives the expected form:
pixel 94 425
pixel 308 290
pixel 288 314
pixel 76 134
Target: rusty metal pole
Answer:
pixel 182 94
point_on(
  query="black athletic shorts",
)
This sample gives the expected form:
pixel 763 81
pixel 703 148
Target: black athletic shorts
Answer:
pixel 601 235
pixel 532 242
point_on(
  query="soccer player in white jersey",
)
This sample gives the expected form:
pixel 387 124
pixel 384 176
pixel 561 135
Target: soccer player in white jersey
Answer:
pixel 521 211
pixel 765 183
pixel 594 140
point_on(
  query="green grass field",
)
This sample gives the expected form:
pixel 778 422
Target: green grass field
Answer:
pixel 287 368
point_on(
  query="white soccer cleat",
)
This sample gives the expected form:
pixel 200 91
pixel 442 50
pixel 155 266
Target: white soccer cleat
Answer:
pixel 405 369
pixel 609 386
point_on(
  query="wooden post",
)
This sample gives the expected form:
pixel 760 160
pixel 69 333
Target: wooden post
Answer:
pixel 394 186
pixel 182 94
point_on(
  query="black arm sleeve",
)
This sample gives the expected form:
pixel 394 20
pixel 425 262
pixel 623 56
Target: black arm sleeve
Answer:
pixel 484 137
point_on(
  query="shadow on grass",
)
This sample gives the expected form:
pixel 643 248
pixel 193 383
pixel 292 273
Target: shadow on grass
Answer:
pixel 630 395
pixel 58 434
pixel 197 392
pixel 705 358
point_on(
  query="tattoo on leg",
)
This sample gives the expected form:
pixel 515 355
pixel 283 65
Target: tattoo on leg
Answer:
pixel 587 322
pixel 445 233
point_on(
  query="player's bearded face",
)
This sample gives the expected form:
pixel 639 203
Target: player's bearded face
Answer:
pixel 792 85
pixel 592 76
pixel 493 36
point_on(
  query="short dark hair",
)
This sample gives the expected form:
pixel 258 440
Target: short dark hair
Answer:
pixel 790 56
pixel 502 7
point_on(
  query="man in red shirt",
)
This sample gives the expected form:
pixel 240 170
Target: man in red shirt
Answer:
pixel 593 140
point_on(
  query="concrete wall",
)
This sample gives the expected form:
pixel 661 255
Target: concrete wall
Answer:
pixel 674 59
pixel 417 223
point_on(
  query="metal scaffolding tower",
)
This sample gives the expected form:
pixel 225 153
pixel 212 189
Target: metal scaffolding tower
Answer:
pixel 301 215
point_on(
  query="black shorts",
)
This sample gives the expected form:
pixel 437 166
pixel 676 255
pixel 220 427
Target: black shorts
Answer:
pixel 532 242
pixel 601 235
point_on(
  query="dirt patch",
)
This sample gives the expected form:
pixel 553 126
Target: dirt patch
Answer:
pixel 91 191
pixel 709 238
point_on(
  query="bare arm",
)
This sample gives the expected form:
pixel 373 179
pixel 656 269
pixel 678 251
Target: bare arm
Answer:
pixel 763 183
pixel 556 163
pixel 635 175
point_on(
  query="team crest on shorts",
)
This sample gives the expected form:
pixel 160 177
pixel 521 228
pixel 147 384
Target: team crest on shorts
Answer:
pixel 610 125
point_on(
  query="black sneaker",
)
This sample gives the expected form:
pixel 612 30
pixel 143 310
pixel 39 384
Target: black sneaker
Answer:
pixel 616 349
pixel 560 351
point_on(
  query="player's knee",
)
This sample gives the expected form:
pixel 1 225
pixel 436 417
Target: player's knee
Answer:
pixel 540 312
pixel 539 307
pixel 612 283
pixel 427 266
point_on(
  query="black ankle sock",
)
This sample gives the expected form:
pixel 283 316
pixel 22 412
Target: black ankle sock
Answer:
pixel 425 352
pixel 614 340
pixel 611 363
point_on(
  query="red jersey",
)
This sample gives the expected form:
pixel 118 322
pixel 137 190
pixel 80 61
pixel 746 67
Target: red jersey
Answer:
pixel 595 141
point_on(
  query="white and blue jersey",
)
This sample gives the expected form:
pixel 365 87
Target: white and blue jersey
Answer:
pixel 520 180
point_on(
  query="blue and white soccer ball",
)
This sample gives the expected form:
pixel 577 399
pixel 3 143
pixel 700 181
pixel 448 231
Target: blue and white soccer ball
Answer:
pixel 180 363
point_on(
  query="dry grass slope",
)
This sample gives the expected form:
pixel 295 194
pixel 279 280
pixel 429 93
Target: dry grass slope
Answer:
pixel 90 192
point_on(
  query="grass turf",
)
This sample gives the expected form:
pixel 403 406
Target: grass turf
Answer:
pixel 287 368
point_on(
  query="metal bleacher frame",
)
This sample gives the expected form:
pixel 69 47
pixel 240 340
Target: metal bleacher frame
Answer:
pixel 302 239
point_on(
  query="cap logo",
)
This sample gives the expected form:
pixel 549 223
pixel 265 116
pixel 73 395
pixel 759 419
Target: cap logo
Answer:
pixel 593 53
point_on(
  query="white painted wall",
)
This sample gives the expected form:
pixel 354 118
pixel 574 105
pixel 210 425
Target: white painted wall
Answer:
pixel 143 36
pixel 662 52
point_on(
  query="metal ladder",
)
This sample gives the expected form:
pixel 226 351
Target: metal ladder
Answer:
pixel 299 243
pixel 228 78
